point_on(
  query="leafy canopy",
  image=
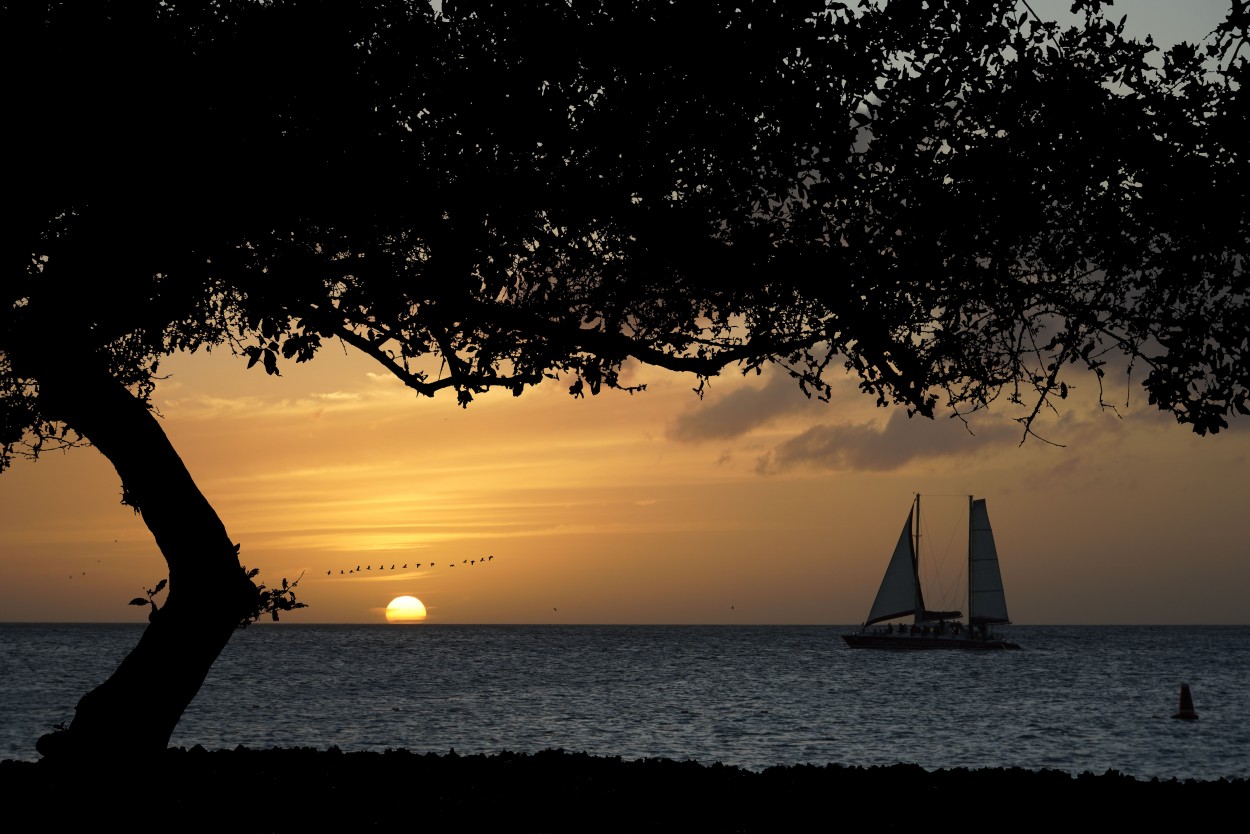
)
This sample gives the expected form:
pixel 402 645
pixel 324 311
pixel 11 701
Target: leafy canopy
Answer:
pixel 953 199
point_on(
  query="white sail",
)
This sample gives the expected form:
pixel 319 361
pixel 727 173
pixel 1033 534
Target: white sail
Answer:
pixel 898 592
pixel 986 602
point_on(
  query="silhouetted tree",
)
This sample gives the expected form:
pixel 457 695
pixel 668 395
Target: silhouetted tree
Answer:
pixel 953 199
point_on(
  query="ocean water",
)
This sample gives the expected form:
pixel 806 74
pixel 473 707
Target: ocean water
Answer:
pixel 1076 699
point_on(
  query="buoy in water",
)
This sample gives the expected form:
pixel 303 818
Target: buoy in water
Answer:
pixel 1186 710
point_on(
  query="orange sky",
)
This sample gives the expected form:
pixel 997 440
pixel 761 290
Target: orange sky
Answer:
pixel 753 506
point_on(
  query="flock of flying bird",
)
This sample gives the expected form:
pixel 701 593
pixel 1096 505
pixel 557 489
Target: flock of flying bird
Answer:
pixel 396 566
pixel 416 565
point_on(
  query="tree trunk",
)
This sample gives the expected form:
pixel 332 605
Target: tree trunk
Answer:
pixel 134 712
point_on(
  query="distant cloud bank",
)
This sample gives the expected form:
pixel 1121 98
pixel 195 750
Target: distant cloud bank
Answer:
pixel 868 445
pixel 873 447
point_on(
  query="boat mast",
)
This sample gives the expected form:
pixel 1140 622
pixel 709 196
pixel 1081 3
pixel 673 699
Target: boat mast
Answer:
pixel 969 618
pixel 915 562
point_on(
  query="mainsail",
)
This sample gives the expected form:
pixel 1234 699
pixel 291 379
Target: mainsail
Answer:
pixel 987 603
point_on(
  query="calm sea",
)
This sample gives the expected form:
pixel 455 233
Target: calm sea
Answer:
pixel 1077 699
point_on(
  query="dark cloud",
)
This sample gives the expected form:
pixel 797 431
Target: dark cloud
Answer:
pixel 1145 415
pixel 875 448
pixel 740 411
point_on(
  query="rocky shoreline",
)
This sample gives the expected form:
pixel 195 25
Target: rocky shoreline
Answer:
pixel 555 790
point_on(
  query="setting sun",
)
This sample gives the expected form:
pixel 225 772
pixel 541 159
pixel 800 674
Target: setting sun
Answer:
pixel 405 610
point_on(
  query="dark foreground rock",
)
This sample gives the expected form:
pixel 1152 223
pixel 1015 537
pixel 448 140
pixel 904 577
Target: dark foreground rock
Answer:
pixel 557 791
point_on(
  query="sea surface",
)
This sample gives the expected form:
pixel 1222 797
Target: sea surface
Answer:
pixel 1076 699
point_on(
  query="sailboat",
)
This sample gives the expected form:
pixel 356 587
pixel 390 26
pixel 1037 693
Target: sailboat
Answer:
pixel 900 595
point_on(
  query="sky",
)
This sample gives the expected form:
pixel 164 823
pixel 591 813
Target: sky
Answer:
pixel 752 505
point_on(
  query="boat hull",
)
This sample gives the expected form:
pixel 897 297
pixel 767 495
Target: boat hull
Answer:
pixel 922 642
